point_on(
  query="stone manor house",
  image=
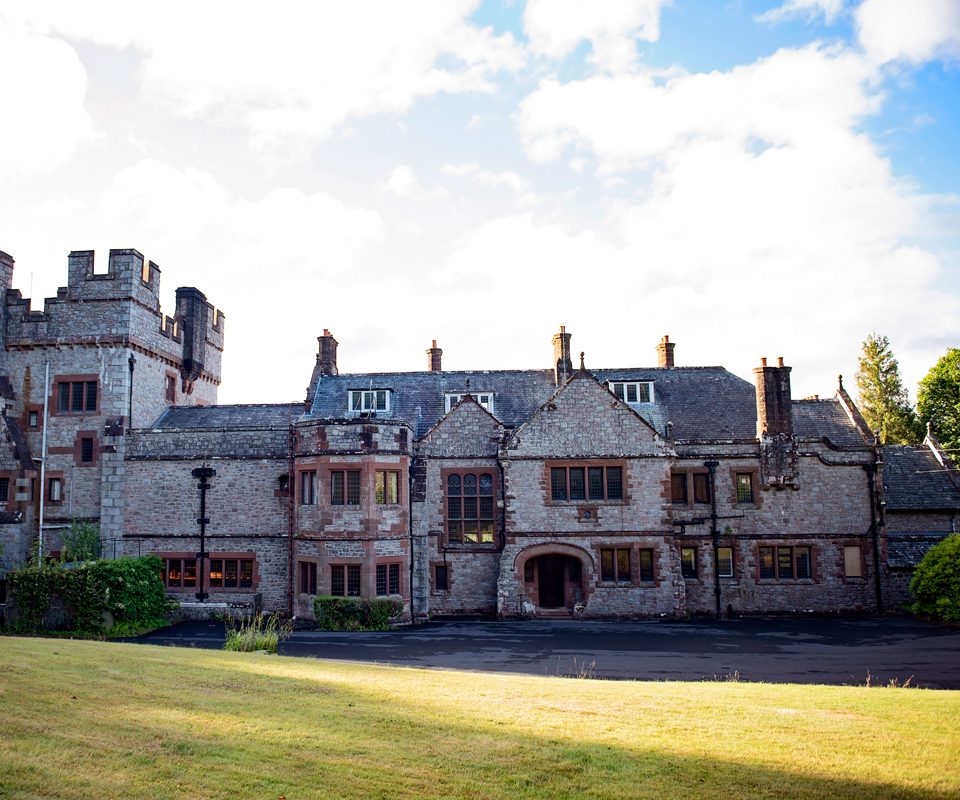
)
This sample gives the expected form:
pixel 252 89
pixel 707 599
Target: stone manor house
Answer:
pixel 564 490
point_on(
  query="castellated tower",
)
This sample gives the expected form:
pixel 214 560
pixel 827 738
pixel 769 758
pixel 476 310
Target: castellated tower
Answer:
pixel 115 363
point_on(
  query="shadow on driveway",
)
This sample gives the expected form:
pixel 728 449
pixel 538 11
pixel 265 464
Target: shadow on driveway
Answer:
pixel 826 651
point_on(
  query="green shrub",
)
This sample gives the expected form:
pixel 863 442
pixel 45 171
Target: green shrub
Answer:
pixel 337 613
pixel 936 582
pixel 125 591
pixel 375 615
pixel 81 542
pixel 252 635
pixel 354 614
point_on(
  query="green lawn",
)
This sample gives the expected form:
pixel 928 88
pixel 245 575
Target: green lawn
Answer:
pixel 105 720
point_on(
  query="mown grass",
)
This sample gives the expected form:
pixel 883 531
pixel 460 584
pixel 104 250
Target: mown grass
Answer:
pixel 82 719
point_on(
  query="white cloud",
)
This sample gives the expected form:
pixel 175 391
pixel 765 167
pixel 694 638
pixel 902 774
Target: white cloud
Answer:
pixel 791 97
pixel 483 177
pixel 808 9
pixel 274 264
pixel 915 31
pixel 42 95
pixel 759 178
pixel 297 73
pixel 612 27
pixel 403 182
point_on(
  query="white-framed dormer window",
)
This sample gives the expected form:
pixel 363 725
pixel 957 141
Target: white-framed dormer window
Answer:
pixel 632 392
pixel 369 400
pixel 483 398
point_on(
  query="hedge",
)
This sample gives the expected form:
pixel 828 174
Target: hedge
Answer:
pixel 354 614
pixel 129 590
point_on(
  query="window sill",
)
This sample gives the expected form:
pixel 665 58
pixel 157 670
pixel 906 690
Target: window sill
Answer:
pixel 209 589
pixel 616 585
pixel 588 503
pixel 467 546
pixel 786 582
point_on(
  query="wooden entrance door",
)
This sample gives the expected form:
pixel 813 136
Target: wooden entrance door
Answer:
pixel 551 579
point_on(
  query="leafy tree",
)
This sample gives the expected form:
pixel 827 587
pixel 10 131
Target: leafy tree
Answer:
pixel 883 398
pixel 936 582
pixel 938 400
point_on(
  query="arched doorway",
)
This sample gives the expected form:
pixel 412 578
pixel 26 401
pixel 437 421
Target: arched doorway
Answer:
pixel 554 580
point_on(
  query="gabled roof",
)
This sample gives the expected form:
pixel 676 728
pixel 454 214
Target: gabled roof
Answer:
pixel 701 402
pixel 239 416
pixel 707 403
pixel 581 402
pixel 915 480
pixel 813 419
pixel 418 397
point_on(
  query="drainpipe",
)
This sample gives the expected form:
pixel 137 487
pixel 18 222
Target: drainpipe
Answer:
pixel 503 507
pixel 871 470
pixel 714 531
pixel 291 516
pixel 43 463
pixel 413 615
pixel 131 361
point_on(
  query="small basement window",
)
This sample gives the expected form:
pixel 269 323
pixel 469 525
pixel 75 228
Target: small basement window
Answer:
pixel 632 392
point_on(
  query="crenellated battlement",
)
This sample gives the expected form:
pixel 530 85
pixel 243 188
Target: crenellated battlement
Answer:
pixel 118 307
pixel 127 275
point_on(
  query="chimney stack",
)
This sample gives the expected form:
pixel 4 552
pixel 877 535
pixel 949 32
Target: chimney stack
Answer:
pixel 326 364
pixel 774 410
pixel 327 354
pixel 433 357
pixel 561 356
pixel 665 352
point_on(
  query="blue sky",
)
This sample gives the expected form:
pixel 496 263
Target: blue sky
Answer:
pixel 751 178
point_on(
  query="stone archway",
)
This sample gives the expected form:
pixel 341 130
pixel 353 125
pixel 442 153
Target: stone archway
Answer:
pixel 555 577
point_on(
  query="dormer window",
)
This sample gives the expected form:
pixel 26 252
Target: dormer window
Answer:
pixel 370 400
pixel 632 392
pixel 483 398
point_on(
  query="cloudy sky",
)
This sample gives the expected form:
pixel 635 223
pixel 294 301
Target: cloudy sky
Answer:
pixel 751 177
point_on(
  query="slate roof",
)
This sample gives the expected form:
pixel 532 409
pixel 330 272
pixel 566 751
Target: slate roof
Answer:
pixel 418 397
pixel 701 402
pixel 906 550
pixel 913 479
pixel 238 417
pixel 818 418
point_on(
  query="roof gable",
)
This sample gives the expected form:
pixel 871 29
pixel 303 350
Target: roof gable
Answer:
pixel 467 430
pixel 584 420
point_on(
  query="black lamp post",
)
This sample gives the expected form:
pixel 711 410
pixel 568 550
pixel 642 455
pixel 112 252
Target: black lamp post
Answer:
pixel 203 474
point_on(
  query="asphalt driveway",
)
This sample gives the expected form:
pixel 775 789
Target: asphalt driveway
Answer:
pixel 829 651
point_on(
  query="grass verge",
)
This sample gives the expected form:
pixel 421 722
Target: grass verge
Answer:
pixel 82 719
